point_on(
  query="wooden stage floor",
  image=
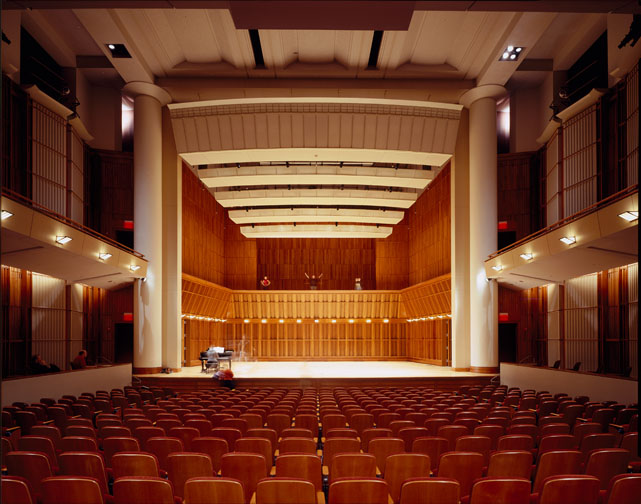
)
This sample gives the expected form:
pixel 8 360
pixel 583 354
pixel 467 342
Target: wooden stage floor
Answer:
pixel 323 374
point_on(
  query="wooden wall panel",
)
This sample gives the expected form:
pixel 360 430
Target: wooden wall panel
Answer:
pixel 429 231
pixel 427 341
pixel 428 298
pixel 316 304
pixel 286 260
pixel 203 225
pixel 515 196
pixel 240 258
pixel 392 258
pixel 203 298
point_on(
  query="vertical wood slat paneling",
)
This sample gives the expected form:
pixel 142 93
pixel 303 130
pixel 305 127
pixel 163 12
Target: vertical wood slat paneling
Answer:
pixel 429 231
pixel 77 183
pixel 49 156
pixel 633 318
pixel 552 188
pixel 632 126
pixel 16 320
pixel 286 260
pixel 203 223
pixel 514 203
pixel 304 341
pixel 582 322
pixel 580 140
pixel 432 297
pixel 48 319
pixel 392 258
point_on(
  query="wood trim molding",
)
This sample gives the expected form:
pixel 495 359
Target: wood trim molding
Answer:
pixel 479 369
pixel 146 370
pixel 461 369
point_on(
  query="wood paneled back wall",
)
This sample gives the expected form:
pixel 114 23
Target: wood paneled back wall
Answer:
pixel 429 231
pixel 340 260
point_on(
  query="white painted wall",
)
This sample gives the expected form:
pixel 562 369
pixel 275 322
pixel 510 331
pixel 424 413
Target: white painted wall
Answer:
pixel 598 388
pixel 32 388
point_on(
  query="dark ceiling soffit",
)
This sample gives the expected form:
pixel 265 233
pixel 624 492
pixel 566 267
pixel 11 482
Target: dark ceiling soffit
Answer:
pixel 93 62
pixel 365 6
pixel 536 65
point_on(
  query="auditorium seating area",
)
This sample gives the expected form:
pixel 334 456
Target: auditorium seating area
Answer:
pixel 308 446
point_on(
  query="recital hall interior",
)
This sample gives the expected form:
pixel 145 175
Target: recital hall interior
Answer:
pixel 297 252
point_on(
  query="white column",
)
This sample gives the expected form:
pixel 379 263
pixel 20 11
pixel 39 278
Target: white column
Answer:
pixel 172 332
pixel 483 225
pixel 148 101
pixel 460 247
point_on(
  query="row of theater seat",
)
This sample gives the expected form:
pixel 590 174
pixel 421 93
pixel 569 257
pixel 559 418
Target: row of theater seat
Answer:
pixel 338 409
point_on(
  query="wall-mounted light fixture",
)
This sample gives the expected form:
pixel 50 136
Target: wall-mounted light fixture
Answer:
pixel 104 255
pixel 498 267
pixel 568 240
pixel 629 216
pixel 63 239
pixel 527 256
pixel 134 267
pixel 6 214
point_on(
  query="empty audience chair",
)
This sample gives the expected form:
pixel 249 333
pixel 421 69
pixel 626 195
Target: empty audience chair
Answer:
pixel 143 490
pixel 478 444
pixel 297 445
pixel 554 463
pixel 210 490
pixel 285 491
pixel 266 433
pixel 403 466
pixel 32 466
pixel 623 489
pixel 278 422
pixel 432 446
pixel 430 491
pixel 112 445
pixel 15 490
pixel 248 468
pixel 86 464
pixel 570 489
pixel 50 431
pixel 510 464
pixel 161 447
pixel 215 448
pixel 229 434
pixel 78 443
pixel 71 490
pixel 260 446
pixel 595 442
pixel 382 448
pixel 515 442
pixel 42 445
pixel 465 467
pixel 185 465
pixel 359 491
pixel 501 491
pixel 606 464
pixel 368 434
pixel 333 446
pixel 352 465
pixel 135 464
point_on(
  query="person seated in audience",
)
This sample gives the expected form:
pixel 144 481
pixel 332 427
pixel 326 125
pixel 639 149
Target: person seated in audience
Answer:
pixel 40 366
pixel 80 361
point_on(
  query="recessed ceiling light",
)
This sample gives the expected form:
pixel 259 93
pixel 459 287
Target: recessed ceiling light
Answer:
pixel 299 321
pixel 511 53
pixel 263 321
pixel 527 256
pixel 568 240
pixel 104 255
pixel 246 321
pixel 134 267
pixel 498 267
pixel 385 321
pixel 629 216
pixel 6 214
pixel 118 51
pixel 63 239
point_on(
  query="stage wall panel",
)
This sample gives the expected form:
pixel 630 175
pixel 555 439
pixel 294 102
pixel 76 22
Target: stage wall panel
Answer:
pixel 429 231
pixel 392 258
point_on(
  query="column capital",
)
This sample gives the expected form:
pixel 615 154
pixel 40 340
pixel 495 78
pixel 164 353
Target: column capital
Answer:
pixel 137 88
pixel 487 91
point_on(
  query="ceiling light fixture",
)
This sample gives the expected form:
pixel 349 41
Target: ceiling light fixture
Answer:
pixel 385 321
pixel 527 256
pixel 118 50
pixel 369 321
pixel 134 267
pixel 6 214
pixel 263 321
pixel 281 321
pixel 511 53
pixel 498 267
pixel 299 321
pixel 333 321
pixel 629 216
pixel 63 239
pixel 568 240
pixel 351 321
pixel 246 321
pixel 104 255
pixel 316 321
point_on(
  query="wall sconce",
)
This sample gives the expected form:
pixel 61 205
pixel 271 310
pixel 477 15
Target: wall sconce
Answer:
pixel 568 240
pixel 104 255
pixel 498 267
pixel 63 239
pixel 527 256
pixel 629 216
pixel 6 214
pixel 134 267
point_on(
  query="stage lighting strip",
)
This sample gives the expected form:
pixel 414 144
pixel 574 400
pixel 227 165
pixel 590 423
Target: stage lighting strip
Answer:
pixel 316 321
pixel 430 317
pixel 201 317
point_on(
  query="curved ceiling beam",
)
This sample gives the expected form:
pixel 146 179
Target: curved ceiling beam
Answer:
pixel 315 175
pixel 269 215
pixel 320 231
pixel 314 197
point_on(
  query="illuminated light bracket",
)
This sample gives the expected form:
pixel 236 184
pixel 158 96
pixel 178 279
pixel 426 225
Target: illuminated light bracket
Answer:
pixel 134 267
pixel 63 239
pixel 568 240
pixel 511 53
pixel 629 216
pixel 104 255
pixel 497 267
pixel 6 214
pixel 527 256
